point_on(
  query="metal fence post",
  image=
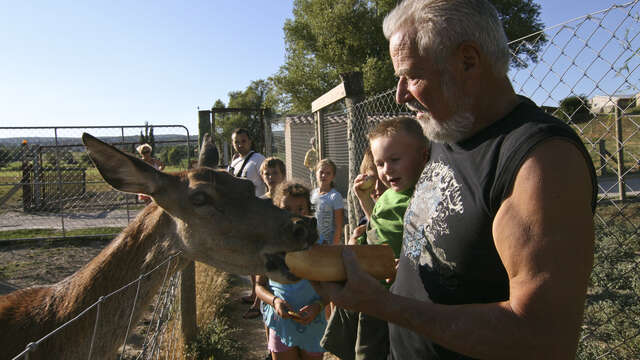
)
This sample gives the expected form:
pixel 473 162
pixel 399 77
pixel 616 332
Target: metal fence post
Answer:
pixel 268 136
pixel 619 153
pixel 59 173
pixel 354 88
pixel 188 303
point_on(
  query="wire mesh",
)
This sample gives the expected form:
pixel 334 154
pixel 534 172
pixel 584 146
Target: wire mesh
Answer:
pixel 49 187
pixel 157 335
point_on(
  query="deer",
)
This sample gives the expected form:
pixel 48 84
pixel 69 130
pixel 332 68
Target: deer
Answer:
pixel 203 214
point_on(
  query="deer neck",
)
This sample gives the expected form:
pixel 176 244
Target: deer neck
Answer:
pixel 146 243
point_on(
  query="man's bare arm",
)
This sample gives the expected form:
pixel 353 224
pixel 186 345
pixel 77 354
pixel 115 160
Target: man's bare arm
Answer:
pixel 544 235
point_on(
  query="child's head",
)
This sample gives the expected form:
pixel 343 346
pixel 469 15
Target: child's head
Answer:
pixel 293 197
pixel 272 172
pixel 325 172
pixel 400 151
pixel 368 167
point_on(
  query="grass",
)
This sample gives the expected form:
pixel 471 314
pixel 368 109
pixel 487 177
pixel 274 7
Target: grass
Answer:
pixel 215 334
pixel 10 270
pixel 56 233
pixel 610 324
pixel 602 127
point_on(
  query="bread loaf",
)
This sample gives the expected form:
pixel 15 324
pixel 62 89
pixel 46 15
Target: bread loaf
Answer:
pixel 324 263
pixel 368 183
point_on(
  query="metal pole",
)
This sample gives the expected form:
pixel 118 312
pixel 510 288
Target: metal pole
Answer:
pixel 267 133
pixel 354 88
pixel 126 196
pixel 188 303
pixel 59 171
pixel 620 154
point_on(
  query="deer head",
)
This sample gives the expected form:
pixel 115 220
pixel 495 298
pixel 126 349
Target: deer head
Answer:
pixel 217 218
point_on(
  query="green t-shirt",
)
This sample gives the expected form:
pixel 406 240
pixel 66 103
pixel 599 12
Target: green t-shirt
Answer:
pixel 387 220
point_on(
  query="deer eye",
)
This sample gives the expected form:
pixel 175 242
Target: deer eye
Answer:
pixel 199 198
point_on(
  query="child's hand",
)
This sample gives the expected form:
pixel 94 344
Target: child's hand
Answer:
pixel 308 313
pixel 356 234
pixel 363 185
pixel 281 307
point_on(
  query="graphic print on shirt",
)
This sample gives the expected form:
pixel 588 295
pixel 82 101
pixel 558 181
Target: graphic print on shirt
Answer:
pixel 437 196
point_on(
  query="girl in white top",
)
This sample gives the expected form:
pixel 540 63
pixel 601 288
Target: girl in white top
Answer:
pixel 328 203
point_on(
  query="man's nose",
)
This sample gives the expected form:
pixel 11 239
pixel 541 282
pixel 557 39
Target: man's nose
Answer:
pixel 402 93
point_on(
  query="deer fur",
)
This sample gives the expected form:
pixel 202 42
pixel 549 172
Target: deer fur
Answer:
pixel 205 214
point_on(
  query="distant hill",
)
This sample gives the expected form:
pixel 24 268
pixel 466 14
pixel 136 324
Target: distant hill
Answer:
pixel 49 141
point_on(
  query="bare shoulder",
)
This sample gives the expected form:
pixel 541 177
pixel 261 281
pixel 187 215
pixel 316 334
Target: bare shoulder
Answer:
pixel 544 235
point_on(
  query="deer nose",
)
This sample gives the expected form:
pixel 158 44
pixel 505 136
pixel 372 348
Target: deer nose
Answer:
pixel 305 229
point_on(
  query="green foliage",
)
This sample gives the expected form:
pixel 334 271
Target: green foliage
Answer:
pixel 328 37
pixel 633 111
pixel 574 109
pixel 214 342
pixel 260 94
pixel 147 137
pixel 610 320
pixel 176 154
pixel 5 156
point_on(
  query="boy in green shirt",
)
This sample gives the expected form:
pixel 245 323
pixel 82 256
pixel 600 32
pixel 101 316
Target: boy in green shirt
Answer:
pixel 400 151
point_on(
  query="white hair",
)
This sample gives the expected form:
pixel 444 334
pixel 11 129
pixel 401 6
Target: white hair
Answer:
pixel 442 25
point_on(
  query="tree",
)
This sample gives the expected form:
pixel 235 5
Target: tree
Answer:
pixel 5 156
pixel 176 154
pixel 259 95
pixel 574 109
pixel 147 137
pixel 329 37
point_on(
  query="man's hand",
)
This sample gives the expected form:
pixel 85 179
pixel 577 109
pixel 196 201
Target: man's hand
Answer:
pixel 361 292
pixel 308 313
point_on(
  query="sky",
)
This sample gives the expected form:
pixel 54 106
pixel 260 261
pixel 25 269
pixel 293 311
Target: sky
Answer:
pixel 91 63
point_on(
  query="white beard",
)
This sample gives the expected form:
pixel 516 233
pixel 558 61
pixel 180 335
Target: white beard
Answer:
pixel 451 130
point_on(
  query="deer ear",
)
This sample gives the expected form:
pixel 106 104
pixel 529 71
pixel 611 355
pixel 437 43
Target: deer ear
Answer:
pixel 208 153
pixel 123 171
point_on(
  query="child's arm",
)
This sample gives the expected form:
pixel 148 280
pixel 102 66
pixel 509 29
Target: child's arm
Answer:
pixel 364 195
pixel 338 223
pixel 264 293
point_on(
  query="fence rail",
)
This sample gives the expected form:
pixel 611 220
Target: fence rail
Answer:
pixel 49 187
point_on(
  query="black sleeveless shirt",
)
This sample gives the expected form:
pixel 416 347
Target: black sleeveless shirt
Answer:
pixel 448 254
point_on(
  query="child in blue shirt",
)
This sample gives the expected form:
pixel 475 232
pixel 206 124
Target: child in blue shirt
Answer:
pixel 292 336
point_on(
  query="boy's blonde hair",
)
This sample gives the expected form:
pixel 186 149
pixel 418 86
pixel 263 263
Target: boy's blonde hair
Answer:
pixel 292 188
pixel 390 127
pixel 273 163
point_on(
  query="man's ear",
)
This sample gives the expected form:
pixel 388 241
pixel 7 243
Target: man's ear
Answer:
pixel 467 57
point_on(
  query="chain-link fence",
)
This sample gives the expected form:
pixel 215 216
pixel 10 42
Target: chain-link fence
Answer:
pixel 587 74
pixel 49 187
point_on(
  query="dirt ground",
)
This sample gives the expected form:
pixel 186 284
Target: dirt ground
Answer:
pixel 38 264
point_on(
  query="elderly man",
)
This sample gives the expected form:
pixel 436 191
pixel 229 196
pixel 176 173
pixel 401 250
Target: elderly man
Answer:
pixel 498 238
